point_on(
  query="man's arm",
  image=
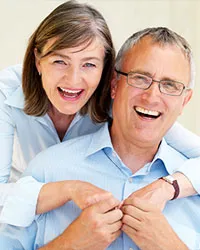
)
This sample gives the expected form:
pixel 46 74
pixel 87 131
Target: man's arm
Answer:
pixel 147 227
pixel 159 191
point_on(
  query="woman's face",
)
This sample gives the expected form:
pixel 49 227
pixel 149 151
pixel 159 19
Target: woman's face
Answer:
pixel 70 76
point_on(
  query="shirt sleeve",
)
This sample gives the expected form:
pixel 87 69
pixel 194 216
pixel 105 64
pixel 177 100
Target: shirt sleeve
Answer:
pixel 188 144
pixel 6 140
pixel 15 198
pixel 20 205
pixel 183 141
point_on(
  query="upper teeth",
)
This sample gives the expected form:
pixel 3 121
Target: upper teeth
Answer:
pixel 70 91
pixel 147 112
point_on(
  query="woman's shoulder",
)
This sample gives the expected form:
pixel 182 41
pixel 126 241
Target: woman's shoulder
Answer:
pixel 10 79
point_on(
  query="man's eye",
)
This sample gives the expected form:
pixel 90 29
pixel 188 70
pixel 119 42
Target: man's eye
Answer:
pixel 89 65
pixel 171 85
pixel 140 79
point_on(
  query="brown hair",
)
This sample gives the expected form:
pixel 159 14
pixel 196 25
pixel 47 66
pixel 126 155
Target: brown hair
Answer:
pixel 72 24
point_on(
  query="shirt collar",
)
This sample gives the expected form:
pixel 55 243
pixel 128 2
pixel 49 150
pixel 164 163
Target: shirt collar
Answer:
pixel 168 156
pixel 100 140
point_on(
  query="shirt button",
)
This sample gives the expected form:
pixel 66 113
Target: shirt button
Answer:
pixel 130 248
pixel 130 180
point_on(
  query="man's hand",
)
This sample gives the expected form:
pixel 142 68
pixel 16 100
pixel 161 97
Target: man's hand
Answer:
pixel 156 193
pixel 145 224
pixel 96 228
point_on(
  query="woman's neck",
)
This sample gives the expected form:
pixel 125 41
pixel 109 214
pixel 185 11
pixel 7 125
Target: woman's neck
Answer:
pixel 61 121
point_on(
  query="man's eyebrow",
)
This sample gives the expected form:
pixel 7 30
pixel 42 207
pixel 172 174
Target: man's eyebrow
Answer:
pixel 146 73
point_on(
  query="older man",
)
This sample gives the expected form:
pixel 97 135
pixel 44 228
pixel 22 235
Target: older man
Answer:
pixel 151 86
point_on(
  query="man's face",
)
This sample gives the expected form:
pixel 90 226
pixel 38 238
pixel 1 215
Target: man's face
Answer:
pixel 144 116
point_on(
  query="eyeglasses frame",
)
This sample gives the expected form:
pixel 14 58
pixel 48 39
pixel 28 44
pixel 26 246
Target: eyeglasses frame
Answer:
pixel 152 80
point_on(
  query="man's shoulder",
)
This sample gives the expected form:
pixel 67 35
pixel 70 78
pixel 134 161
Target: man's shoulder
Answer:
pixel 172 158
pixel 72 148
pixel 176 154
pixel 81 144
pixel 71 153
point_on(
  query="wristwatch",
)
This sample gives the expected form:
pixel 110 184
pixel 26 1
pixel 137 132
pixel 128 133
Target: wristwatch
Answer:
pixel 170 179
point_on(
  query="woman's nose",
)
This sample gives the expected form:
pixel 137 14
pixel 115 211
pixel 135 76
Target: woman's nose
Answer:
pixel 73 75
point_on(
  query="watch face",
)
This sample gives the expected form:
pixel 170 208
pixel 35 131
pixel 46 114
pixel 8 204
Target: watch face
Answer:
pixel 169 178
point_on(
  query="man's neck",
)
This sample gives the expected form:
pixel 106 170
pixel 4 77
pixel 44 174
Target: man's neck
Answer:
pixel 134 154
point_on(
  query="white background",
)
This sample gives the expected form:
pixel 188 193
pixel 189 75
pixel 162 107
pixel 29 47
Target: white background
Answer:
pixel 19 18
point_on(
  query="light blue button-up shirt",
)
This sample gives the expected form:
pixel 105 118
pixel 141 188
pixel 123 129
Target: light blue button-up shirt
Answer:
pixel 22 137
pixel 98 163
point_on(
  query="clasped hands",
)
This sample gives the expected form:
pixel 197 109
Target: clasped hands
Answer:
pixel 103 218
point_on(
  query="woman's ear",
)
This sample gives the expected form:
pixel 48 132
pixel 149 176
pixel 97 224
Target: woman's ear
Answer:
pixel 37 61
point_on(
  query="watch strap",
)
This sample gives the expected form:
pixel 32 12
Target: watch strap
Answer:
pixel 175 185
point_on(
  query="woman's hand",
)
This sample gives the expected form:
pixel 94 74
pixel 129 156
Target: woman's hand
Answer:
pixel 55 194
pixel 85 194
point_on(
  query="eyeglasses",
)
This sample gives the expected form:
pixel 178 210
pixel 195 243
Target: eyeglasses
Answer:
pixel 141 81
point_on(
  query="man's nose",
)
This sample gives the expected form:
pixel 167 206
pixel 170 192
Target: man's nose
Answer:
pixel 153 91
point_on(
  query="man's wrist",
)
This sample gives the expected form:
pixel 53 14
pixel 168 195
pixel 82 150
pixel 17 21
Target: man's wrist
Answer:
pixel 173 182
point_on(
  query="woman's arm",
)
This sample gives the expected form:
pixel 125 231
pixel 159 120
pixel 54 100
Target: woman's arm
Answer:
pixel 6 140
pixel 183 140
pixel 56 194
pixel 188 144
pixel 10 80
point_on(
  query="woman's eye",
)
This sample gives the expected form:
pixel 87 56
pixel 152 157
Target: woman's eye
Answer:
pixel 89 65
pixel 59 62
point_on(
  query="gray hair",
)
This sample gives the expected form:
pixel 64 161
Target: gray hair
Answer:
pixel 162 36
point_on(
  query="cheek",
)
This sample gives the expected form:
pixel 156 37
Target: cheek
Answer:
pixel 176 108
pixel 93 81
pixel 48 83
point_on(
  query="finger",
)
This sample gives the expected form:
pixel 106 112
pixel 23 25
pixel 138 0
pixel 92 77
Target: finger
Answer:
pixel 116 234
pixel 112 216
pixel 133 212
pixel 131 222
pixel 121 204
pixel 106 205
pixel 96 198
pixel 112 228
pixel 140 204
pixel 131 232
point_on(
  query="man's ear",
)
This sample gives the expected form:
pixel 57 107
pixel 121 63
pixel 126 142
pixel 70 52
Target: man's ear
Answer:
pixel 187 98
pixel 37 61
pixel 114 85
